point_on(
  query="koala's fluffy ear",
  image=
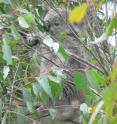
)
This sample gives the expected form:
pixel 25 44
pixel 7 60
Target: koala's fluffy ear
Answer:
pixel 32 40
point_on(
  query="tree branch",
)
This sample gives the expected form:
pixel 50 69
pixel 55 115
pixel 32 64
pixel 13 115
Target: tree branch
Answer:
pixel 85 62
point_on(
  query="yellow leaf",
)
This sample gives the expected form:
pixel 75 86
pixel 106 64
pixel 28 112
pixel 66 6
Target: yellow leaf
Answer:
pixel 78 13
pixel 64 1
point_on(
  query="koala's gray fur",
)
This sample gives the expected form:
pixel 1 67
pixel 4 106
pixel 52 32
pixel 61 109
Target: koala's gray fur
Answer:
pixel 56 24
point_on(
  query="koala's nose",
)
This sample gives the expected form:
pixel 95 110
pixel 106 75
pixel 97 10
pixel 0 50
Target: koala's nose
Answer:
pixel 47 26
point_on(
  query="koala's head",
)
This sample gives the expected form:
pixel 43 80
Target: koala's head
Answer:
pixel 56 21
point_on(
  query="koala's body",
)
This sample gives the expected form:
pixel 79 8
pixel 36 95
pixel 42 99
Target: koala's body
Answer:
pixel 56 23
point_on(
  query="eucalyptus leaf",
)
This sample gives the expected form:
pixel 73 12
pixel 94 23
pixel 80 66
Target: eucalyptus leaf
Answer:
pixel 30 106
pixel 55 47
pixel 97 109
pixel 40 11
pixel 36 89
pixel 4 119
pixel 54 78
pixel 112 26
pixel 56 89
pixel 63 52
pixel 23 11
pixel 110 97
pixel 22 22
pixel 28 98
pixel 20 115
pixel 1 109
pixel 80 81
pixel 27 95
pixel 29 18
pixel 6 51
pixel 5 1
pixel 84 109
pixel 53 113
pixel 50 43
pixel 39 24
pixel 43 81
pixel 6 70
pixel 62 36
pixel 93 79
pixel 15 33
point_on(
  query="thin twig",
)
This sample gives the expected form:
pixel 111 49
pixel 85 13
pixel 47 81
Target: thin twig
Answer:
pixel 77 58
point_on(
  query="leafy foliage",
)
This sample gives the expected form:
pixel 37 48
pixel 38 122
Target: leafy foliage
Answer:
pixel 21 87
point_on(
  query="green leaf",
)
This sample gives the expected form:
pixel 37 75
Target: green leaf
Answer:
pixel 6 51
pixel 15 33
pixel 39 24
pixel 62 36
pixel 53 113
pixel 94 79
pixel 99 78
pixel 114 73
pixel 6 70
pixel 5 1
pixel 44 98
pixel 105 120
pixel 27 95
pixel 63 53
pixel 55 47
pixel 12 43
pixel 29 19
pixel 40 11
pixel 20 115
pixel 30 106
pixel 112 26
pixel 43 81
pixel 110 97
pixel 4 119
pixel 50 43
pixel 97 109
pixel 56 89
pixel 54 79
pixel 114 120
pixel 85 109
pixel 23 11
pixel 36 89
pixel 80 81
pixel 22 22
pixel 1 109
pixel 28 98
pixel 57 75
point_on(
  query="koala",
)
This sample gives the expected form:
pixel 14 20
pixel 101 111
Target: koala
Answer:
pixel 56 23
